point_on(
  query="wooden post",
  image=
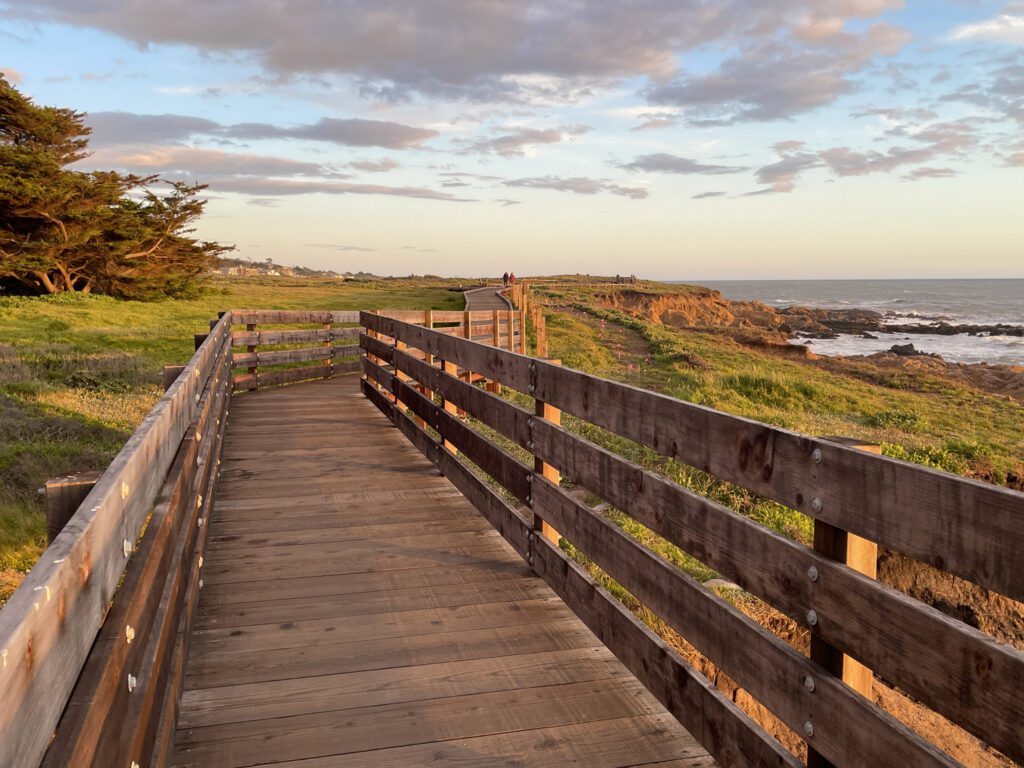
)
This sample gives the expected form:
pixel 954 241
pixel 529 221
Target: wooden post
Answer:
pixel 199 338
pixel 63 496
pixel 328 353
pixel 510 316
pixel 428 322
pixel 171 374
pixel 861 555
pixel 522 331
pixel 545 411
pixel 467 333
pixel 252 370
pixel 452 370
pixel 495 386
pixel 402 347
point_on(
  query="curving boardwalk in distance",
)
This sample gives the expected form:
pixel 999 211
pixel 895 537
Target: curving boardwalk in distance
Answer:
pixel 358 611
pixel 480 299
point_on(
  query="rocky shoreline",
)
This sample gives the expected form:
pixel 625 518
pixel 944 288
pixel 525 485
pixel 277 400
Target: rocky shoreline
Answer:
pixel 813 323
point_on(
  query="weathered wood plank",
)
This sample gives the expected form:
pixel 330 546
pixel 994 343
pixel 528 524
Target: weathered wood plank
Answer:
pixel 397 725
pixel 277 377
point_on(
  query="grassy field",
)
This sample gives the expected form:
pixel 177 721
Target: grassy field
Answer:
pixel 78 373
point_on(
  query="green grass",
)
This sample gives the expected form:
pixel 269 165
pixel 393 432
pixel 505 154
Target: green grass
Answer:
pixel 78 374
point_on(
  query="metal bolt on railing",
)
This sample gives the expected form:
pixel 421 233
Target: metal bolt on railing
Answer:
pixel 816 455
pixel 812 573
pixel 809 683
pixel 812 618
pixel 816 504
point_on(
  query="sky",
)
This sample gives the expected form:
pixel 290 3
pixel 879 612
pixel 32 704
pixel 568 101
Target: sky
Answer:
pixel 671 139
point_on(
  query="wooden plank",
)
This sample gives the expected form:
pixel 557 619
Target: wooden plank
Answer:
pixel 391 652
pixel 280 316
pixel 280 356
pixel 397 725
pixel 958 525
pixel 277 377
pixel 602 744
pixel 293 697
pixel 266 338
pixel 706 712
pixel 50 623
pixel 365 604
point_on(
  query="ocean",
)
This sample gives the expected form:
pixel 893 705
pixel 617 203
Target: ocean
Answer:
pixel 983 302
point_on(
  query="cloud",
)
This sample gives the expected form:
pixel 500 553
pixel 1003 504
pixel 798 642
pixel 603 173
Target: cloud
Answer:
pixel 707 195
pixel 579 185
pixel 846 162
pixel 519 140
pixel 781 175
pixel 276 187
pixel 257 175
pixel 395 49
pixel 115 128
pixel 929 173
pixel 111 128
pixel 1005 28
pixel 383 165
pixel 335 247
pixel 13 75
pixel 263 202
pixel 773 79
pixel 200 162
pixel 351 133
pixel 662 162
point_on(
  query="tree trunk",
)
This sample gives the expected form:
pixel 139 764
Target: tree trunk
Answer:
pixel 46 282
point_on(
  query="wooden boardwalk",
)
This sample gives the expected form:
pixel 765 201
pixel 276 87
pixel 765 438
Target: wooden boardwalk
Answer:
pixel 480 299
pixel 357 611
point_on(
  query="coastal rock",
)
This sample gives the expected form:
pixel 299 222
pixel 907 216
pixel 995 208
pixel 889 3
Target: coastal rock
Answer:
pixel 906 350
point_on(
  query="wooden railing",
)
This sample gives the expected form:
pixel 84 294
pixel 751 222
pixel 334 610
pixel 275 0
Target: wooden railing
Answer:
pixel 970 529
pixel 110 670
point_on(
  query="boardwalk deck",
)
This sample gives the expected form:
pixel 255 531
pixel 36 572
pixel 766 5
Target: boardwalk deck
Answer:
pixel 480 299
pixel 357 611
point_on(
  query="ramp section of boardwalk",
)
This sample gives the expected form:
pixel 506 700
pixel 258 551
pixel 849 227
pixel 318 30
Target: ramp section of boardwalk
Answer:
pixel 357 610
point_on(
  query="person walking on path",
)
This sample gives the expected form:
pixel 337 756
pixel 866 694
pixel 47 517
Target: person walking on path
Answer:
pixel 511 278
pixel 504 279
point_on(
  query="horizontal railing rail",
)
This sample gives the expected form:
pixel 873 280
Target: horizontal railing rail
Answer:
pixel 92 665
pixel 968 528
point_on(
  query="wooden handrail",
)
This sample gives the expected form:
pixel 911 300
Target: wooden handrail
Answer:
pixel 874 623
pixel 48 627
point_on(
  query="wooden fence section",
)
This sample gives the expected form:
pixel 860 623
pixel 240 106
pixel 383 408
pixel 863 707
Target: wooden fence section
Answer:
pixel 304 345
pixel 967 528
pixel 111 691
